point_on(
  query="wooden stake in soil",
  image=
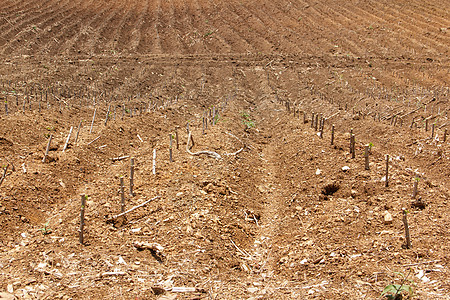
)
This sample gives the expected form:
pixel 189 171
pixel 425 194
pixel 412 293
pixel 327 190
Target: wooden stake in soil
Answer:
pixel 154 162
pixel 176 137
pixel 353 145
pixel 78 132
pixel 6 104
pixel 68 138
pixel 332 134
pixel 432 131
pixel 48 148
pixel 93 119
pixel 170 148
pixel 131 177
pixel 83 205
pixel 322 122
pixel 445 135
pixel 107 114
pixel 407 236
pixel 122 195
pixel 316 124
pixel 426 125
pixel 386 184
pixel 366 157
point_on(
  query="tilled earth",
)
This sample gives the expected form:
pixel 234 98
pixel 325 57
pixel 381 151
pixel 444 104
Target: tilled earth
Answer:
pixel 283 213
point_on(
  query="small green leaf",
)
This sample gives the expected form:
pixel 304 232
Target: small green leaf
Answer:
pixel 396 289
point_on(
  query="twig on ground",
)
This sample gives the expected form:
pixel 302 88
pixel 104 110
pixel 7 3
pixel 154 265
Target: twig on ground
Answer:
pixel 422 263
pixel 231 191
pixel 209 153
pixel 293 198
pixel 120 158
pixel 440 157
pixel 248 256
pixel 335 114
pixel 4 174
pixel 113 273
pixel 93 140
pixel 417 141
pixel 59 99
pixel 240 150
pixel 135 207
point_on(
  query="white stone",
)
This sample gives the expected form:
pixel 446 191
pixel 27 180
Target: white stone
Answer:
pixel 388 218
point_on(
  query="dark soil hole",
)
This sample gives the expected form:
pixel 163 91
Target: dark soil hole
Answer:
pixel 330 188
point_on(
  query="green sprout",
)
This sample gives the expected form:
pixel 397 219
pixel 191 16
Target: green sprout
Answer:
pixel 45 230
pixel 397 291
pixel 247 120
pixel 208 33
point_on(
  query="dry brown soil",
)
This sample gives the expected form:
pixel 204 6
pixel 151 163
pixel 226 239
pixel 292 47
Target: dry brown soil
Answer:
pixel 283 214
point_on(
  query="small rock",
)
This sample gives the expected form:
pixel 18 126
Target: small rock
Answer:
pixel 388 218
pixel 318 171
pixel 252 290
pixel 283 260
pixel 7 296
pixel 209 188
pixel 261 188
pixel 121 261
pixel 345 168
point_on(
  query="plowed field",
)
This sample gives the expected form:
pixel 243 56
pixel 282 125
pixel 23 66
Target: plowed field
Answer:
pixel 266 201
